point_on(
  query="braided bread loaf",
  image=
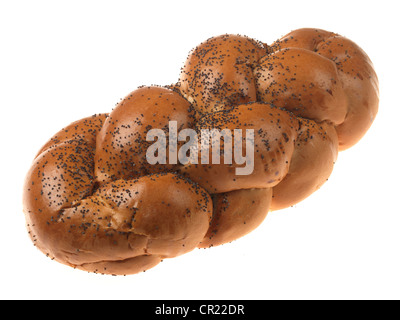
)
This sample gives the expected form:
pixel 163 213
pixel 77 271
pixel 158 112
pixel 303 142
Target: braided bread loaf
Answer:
pixel 94 202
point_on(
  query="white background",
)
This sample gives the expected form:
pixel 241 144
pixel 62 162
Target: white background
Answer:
pixel 64 60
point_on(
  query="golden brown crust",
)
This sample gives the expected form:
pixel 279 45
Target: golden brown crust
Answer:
pixel 356 76
pixel 94 201
pixel 218 73
pixel 84 129
pixel 122 223
pixel 306 38
pixel 236 214
pixel 275 131
pixel 314 156
pixel 303 82
pixel 122 141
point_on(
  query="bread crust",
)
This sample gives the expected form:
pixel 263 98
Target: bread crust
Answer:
pixel 121 143
pixel 302 82
pixel 275 131
pixel 218 73
pixel 236 214
pixel 355 72
pixel 93 200
pixel 315 152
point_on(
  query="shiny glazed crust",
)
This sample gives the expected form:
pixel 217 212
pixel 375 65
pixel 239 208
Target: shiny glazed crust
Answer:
pixel 92 200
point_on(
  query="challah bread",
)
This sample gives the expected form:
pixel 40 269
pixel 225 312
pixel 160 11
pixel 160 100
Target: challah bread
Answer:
pixel 94 199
